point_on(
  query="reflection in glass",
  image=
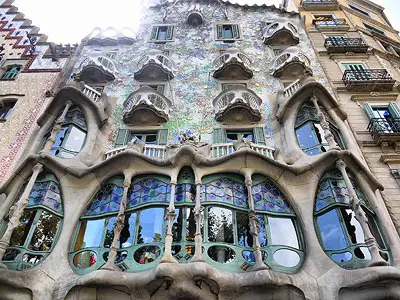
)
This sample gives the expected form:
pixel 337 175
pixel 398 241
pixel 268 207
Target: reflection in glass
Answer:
pixel 11 254
pixel 305 136
pixel 353 226
pixel 121 255
pixel 85 259
pixel 32 258
pixel 20 233
pixel 283 232
pixel 150 225
pixel 126 237
pixel 147 254
pixel 286 258
pixel 220 227
pixel 342 257
pixel 262 234
pixel 45 231
pixel 109 232
pixel 362 252
pixel 90 234
pixel 331 231
pixel 245 239
pixel 75 140
pixel 190 224
pixel 249 255
pixel 221 254
pixel 176 225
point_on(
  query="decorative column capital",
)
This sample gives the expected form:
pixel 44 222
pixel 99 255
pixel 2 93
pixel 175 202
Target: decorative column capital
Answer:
pixel 38 168
pixel 69 103
pixel 127 182
pixel 173 182
pixel 249 182
pixel 314 99
pixel 341 165
pixel 198 182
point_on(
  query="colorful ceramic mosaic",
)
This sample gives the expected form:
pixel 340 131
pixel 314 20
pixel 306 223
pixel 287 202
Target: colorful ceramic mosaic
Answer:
pixel 267 197
pixel 225 190
pixel 148 191
pixel 47 194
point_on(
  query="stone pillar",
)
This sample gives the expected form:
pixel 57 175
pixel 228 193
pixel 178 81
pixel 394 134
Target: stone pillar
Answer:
pixel 16 212
pixel 118 226
pixel 325 125
pixel 254 229
pixel 361 217
pixel 167 257
pixel 56 128
pixel 198 239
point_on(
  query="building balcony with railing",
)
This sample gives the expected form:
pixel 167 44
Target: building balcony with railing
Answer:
pixel 320 4
pixel 291 62
pixel 146 106
pixel 96 70
pixel 385 130
pixel 344 45
pixel 89 91
pixel 280 32
pixel 237 104
pixel 232 64
pixel 368 80
pixel 331 24
pixel 155 66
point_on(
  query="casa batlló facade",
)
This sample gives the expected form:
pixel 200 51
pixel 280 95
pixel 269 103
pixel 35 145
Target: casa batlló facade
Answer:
pixel 205 157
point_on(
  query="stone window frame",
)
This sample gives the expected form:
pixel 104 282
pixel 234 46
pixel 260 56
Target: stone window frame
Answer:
pixel 155 31
pixel 223 83
pixel 10 103
pixel 123 136
pixel 218 32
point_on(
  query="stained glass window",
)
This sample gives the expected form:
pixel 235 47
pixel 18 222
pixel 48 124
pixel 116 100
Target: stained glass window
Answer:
pixel 225 190
pixel 149 190
pixel 340 233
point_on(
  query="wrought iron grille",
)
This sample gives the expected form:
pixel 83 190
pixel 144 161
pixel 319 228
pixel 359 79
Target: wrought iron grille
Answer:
pixel 382 126
pixel 366 75
pixel 328 22
pixel 342 42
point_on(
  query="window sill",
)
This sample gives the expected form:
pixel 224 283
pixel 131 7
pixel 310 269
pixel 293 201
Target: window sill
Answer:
pixel 2 120
pixel 7 79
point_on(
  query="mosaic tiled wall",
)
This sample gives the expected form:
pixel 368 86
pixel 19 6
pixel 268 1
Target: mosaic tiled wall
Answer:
pixel 193 51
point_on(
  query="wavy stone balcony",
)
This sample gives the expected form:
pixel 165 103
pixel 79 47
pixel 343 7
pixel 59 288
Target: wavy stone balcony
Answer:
pixel 232 65
pixel 146 107
pixel 280 32
pixel 291 62
pixel 344 45
pixel 237 104
pixel 155 66
pixel 98 69
pixel 368 80
pixel 320 4
pixel 330 24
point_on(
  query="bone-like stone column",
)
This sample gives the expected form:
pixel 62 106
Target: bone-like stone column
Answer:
pixel 361 217
pixel 325 126
pixel 56 128
pixel 16 212
pixel 167 257
pixel 119 225
pixel 254 229
pixel 198 239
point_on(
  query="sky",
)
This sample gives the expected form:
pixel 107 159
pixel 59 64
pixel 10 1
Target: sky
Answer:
pixel 70 21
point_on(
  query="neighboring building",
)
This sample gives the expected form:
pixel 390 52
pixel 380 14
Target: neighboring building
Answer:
pixel 204 157
pixel 29 67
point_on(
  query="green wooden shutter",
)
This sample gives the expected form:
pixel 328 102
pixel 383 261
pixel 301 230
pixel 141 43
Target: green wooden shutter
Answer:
pixel 259 136
pixel 235 31
pixel 162 137
pixel 219 135
pixel 368 110
pixel 220 32
pixel 154 33
pixel 122 138
pixel 394 110
pixel 170 31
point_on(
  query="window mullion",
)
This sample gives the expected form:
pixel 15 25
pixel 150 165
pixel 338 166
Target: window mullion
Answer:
pixel 33 228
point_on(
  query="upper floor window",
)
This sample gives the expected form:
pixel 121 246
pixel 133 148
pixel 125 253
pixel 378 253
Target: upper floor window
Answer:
pixel 157 87
pixel 39 226
pixel 227 32
pixel 309 132
pixel 11 72
pixel 159 137
pixel 162 33
pixel 255 135
pixel 383 118
pixel 6 109
pixel 373 29
pixel 359 10
pixel 227 86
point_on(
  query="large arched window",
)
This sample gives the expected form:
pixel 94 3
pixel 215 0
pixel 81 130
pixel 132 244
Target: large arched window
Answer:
pixel 71 137
pixel 309 132
pixel 340 234
pixel 34 238
pixel 142 238
pixel 227 238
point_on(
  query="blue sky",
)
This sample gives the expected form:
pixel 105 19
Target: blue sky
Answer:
pixel 69 21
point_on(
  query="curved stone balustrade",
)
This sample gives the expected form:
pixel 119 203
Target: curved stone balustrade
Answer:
pixel 146 106
pixel 232 64
pixel 237 104
pixel 99 69
pixel 155 65
pixel 280 32
pixel 292 62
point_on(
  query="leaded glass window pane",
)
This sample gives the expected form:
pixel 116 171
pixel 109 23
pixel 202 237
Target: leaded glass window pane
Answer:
pixel 150 225
pixel 331 231
pixel 267 197
pixel 45 232
pixel 283 232
pixel 220 226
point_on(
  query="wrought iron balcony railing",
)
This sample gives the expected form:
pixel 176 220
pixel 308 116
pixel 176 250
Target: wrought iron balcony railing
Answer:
pixel 342 45
pixel 331 24
pixel 368 80
pixel 384 130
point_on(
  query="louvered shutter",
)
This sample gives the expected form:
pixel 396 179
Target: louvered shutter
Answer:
pixel 154 33
pixel 220 31
pixel 368 110
pixel 259 136
pixel 122 138
pixel 219 135
pixel 170 33
pixel 235 31
pixel 394 110
pixel 162 137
